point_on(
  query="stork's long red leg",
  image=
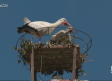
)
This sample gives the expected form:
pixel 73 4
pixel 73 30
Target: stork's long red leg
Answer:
pixel 39 38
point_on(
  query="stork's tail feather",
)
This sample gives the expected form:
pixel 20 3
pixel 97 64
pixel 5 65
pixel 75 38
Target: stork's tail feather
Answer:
pixel 26 20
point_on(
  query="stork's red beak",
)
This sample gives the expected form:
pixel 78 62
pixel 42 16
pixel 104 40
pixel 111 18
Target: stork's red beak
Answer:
pixel 66 23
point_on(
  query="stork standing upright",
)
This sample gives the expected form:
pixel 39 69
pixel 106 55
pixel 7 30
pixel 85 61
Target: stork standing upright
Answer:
pixel 40 28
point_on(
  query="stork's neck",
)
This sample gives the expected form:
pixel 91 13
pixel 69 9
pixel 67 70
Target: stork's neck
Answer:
pixel 56 24
pixel 67 30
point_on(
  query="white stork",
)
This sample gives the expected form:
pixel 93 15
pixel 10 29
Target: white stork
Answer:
pixel 63 33
pixel 40 28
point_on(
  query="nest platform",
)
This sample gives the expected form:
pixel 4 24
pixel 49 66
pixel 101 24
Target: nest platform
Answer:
pixel 55 58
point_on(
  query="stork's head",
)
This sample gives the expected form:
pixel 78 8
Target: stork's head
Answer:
pixel 64 22
pixel 69 29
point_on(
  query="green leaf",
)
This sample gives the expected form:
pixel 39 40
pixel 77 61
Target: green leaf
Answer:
pixel 18 61
pixel 84 73
pixel 18 56
pixel 15 48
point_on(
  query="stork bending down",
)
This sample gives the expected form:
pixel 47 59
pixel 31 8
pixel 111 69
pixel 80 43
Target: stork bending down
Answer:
pixel 40 28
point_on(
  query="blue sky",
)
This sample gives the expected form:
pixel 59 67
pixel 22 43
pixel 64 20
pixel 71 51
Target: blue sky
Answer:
pixel 91 16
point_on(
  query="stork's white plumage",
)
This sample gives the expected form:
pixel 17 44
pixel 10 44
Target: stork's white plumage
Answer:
pixel 63 33
pixel 60 34
pixel 40 28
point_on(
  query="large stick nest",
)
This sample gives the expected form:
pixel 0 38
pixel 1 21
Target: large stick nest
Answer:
pixel 26 46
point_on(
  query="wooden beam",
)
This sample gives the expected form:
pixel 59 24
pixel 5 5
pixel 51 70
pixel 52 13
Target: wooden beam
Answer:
pixel 35 77
pixel 32 65
pixel 74 63
pixel 55 46
pixel 54 70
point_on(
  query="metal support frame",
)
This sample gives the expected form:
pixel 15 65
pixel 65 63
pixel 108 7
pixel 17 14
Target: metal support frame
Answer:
pixel 74 63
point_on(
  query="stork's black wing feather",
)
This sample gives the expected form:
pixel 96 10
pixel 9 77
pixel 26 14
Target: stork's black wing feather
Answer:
pixel 26 28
